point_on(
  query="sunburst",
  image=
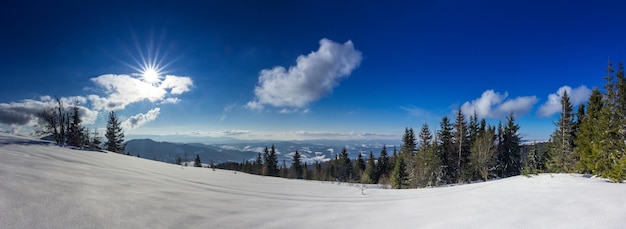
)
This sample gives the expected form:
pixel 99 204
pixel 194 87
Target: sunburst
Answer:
pixel 149 63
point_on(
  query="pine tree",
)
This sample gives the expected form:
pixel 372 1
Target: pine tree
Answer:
pixel 76 131
pixel 258 165
pixel 427 160
pixel 461 147
pixel 197 162
pixel 114 134
pixel 370 176
pixel 408 151
pixel 296 166
pixel 446 150
pixel 344 166
pixel 383 164
pixel 270 168
pixel 359 168
pixel 561 143
pixel 399 176
pixel 509 157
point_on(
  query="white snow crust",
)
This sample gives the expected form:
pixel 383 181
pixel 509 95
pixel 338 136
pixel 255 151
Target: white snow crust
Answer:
pixel 46 186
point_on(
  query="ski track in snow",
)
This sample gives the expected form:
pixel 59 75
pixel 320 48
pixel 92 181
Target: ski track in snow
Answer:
pixel 46 186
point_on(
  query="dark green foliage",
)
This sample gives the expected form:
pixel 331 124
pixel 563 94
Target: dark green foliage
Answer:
pixel 197 162
pixel 370 175
pixel 114 134
pixel 561 146
pixel 270 168
pixel 461 148
pixel 509 160
pixel 446 150
pixel 76 132
pixel 296 166
pixel 383 164
pixel 344 166
pixel 359 168
pixel 400 176
pixel 427 161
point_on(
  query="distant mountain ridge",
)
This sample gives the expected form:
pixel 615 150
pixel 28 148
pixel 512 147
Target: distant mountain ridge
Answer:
pixel 238 152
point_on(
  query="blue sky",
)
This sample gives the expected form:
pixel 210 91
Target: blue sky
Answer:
pixel 281 70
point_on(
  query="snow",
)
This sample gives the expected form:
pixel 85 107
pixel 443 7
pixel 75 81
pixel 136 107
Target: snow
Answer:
pixel 46 186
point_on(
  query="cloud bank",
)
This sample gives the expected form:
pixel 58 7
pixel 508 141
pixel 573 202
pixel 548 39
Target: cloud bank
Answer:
pixel 577 96
pixel 492 104
pixel 313 77
pixel 140 119
pixel 122 90
pixel 118 91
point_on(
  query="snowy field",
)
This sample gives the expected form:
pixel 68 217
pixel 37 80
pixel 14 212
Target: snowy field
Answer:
pixel 45 186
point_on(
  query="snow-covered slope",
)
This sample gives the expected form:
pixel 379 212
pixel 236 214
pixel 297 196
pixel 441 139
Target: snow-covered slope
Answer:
pixel 45 186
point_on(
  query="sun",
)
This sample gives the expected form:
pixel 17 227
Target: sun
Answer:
pixel 151 75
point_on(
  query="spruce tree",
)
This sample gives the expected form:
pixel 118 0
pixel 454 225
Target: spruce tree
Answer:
pixel 370 176
pixel 271 163
pixel 561 143
pixel 197 162
pixel 407 151
pixel 428 161
pixel 359 168
pixel 344 166
pixel 509 157
pixel 296 166
pixel 446 150
pixel 461 147
pixel 114 134
pixel 257 166
pixel 76 131
pixel 383 164
pixel 400 176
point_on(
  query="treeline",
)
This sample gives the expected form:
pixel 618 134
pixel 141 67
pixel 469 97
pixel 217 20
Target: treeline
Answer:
pixel 592 141
pixel 460 152
pixel 65 127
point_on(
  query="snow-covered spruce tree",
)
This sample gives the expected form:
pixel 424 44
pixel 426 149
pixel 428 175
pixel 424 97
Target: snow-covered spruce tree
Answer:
pixel 114 134
pixel 561 145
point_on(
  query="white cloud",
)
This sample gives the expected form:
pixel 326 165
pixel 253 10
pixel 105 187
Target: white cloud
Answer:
pixel 553 105
pixel 220 133
pixel 339 135
pixel 492 104
pixel 24 113
pixel 314 76
pixel 170 101
pixel 122 90
pixel 140 119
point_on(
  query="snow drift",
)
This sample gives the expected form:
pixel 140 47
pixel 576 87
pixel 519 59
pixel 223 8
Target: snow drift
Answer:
pixel 45 186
